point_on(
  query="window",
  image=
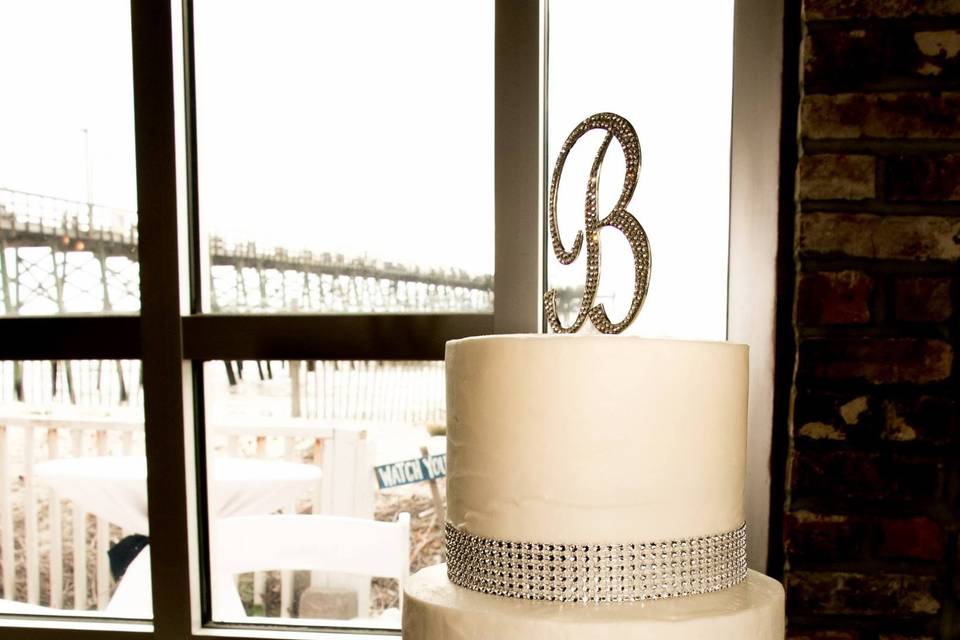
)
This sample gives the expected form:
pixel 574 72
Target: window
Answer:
pixel 263 355
pixel 678 98
pixel 260 353
pixel 372 154
pixel 71 403
pixel 68 222
pixel 348 133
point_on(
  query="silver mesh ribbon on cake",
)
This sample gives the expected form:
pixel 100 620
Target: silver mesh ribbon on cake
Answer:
pixel 596 572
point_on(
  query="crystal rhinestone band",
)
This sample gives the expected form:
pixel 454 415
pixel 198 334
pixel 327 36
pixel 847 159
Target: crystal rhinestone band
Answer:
pixel 597 573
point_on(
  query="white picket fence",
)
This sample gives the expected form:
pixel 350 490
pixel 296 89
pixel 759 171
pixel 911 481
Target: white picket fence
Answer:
pixel 37 560
pixel 410 392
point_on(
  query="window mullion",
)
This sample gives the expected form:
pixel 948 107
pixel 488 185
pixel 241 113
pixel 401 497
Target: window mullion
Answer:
pixel 518 172
pixel 327 337
pixel 170 469
pixel 192 186
pixel 70 337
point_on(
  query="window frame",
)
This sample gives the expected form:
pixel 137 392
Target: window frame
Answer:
pixel 172 344
pixel 172 338
pixel 757 127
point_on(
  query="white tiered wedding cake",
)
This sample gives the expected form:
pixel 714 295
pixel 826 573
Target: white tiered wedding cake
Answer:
pixel 595 490
pixel 595 483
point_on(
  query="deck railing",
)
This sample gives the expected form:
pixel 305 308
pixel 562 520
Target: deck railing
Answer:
pixel 25 440
pixel 51 552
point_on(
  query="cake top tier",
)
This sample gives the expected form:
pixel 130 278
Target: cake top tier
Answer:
pixel 595 439
pixel 553 339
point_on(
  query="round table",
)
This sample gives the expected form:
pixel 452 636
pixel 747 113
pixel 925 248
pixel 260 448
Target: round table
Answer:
pixel 115 487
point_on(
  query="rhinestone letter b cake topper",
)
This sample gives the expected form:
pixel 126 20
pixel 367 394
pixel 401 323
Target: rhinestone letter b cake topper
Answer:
pixel 619 218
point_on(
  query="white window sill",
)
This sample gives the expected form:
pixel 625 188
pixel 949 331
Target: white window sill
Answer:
pixel 15 628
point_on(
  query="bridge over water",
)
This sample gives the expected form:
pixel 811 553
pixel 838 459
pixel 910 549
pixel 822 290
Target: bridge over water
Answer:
pixel 63 256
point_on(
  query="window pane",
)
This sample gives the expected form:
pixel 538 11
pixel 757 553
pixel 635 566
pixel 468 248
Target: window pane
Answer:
pixel 667 68
pixel 311 464
pixel 68 222
pixel 346 155
pixel 73 491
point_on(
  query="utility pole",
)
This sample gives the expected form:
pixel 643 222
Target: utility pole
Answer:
pixel 88 176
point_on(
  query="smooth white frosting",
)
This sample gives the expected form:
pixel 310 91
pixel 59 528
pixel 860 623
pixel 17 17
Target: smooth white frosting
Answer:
pixel 593 439
pixel 435 609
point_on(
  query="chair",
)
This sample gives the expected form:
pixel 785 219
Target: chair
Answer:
pixel 132 597
pixel 310 542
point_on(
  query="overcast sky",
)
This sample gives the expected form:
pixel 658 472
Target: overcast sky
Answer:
pixel 366 127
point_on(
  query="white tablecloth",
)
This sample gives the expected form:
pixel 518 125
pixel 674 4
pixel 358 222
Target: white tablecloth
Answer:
pixel 115 487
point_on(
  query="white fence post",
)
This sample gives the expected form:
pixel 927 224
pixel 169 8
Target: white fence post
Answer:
pixel 316 499
pixel 56 529
pixel 79 539
pixel 6 519
pixel 286 577
pixel 295 389
pixel 31 542
pixel 260 578
pixel 103 543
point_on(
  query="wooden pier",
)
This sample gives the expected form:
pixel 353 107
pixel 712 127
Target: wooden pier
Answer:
pixel 61 256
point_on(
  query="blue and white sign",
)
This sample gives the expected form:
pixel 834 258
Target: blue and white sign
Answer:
pixel 411 471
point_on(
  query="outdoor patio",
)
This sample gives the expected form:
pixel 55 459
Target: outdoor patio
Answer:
pixel 305 442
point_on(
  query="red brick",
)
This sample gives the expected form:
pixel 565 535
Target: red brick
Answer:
pixel 924 178
pixel 845 58
pixel 956 582
pixel 940 47
pixel 922 299
pixel 834 297
pixel 823 537
pixel 837 177
pixel 833 593
pixel 911 539
pixel 847 474
pixel 876 360
pixel 819 634
pixel 840 9
pixel 882 237
pixel 821 430
pixel 928 56
pixel 927 419
pixel 880 115
pixel 820 415
pixel 908 417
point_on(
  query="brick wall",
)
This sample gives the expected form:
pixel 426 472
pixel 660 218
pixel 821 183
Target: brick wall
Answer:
pixel 873 470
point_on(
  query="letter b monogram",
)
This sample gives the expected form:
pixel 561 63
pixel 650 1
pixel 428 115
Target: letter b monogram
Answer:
pixel 620 219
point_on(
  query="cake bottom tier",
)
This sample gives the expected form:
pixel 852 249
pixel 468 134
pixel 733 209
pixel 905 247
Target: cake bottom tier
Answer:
pixel 435 609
